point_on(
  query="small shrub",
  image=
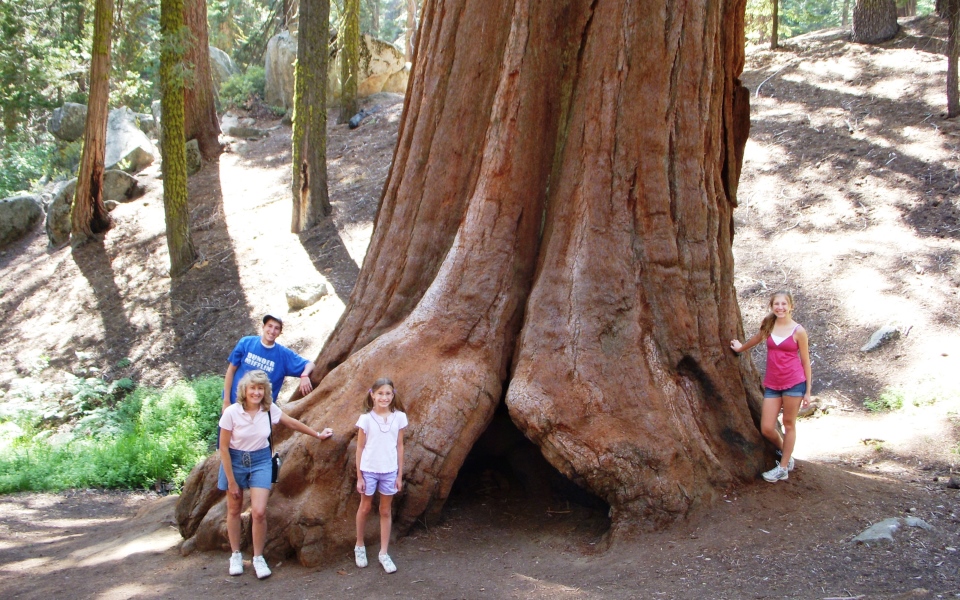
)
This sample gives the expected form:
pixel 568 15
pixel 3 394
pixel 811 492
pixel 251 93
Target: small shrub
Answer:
pixel 244 89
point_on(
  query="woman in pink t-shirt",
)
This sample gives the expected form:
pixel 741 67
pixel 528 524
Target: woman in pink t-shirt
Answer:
pixel 787 382
pixel 245 462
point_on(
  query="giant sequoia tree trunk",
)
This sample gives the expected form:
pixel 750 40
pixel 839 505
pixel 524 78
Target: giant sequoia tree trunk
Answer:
pixel 200 114
pixel 555 233
pixel 874 21
pixel 89 215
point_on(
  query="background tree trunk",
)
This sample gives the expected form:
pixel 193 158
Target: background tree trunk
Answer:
pixel 846 13
pixel 411 29
pixel 349 60
pixel 555 232
pixel 176 211
pixel 89 216
pixel 951 8
pixel 907 8
pixel 200 114
pixel 374 17
pixel 774 24
pixel 311 201
pixel 874 21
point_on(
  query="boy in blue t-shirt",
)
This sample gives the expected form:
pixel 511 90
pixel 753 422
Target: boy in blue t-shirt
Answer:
pixel 264 353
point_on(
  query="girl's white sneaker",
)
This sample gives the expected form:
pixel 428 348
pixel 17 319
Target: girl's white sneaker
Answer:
pixel 387 563
pixel 360 555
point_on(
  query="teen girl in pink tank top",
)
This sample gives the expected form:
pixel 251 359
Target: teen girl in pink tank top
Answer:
pixel 787 381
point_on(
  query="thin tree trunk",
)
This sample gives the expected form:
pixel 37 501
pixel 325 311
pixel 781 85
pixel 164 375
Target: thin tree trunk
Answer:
pixel 311 201
pixel 200 100
pixel 349 60
pixel 89 216
pixel 555 234
pixel 411 29
pixel 845 18
pixel 874 21
pixel 774 24
pixel 953 52
pixel 907 8
pixel 374 17
pixel 176 211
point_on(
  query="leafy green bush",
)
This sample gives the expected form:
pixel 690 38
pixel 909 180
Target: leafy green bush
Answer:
pixel 126 438
pixel 22 164
pixel 244 89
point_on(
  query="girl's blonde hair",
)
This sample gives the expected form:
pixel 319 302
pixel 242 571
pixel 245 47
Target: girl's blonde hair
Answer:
pixel 368 399
pixel 766 325
pixel 255 378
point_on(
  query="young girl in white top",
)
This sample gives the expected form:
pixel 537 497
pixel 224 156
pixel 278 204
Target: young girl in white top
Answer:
pixel 245 462
pixel 379 463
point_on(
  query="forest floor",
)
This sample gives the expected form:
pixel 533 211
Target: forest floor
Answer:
pixel 849 197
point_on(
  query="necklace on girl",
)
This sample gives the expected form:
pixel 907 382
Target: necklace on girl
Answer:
pixel 385 422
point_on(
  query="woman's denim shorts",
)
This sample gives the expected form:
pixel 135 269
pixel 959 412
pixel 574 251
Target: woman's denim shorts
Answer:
pixel 250 469
pixel 796 391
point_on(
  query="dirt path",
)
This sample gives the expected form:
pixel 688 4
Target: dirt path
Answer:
pixel 787 540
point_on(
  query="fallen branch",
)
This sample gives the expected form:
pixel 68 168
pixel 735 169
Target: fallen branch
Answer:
pixel 775 73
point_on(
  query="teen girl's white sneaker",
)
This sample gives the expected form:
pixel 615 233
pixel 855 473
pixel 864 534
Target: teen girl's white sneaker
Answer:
pixel 236 564
pixel 387 563
pixel 260 566
pixel 360 555
pixel 776 474
pixel 790 465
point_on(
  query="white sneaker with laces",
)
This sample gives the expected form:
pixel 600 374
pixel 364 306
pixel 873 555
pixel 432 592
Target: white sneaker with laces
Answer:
pixel 360 555
pixel 776 474
pixel 260 566
pixel 387 563
pixel 236 564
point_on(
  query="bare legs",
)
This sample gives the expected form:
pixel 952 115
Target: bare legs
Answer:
pixel 258 514
pixel 386 519
pixel 768 424
pixel 258 518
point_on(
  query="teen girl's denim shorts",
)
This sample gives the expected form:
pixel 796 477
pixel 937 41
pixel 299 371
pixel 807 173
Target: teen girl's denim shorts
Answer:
pixel 796 391
pixel 250 469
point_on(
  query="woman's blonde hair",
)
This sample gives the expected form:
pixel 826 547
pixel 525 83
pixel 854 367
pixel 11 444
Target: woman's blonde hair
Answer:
pixel 368 400
pixel 255 378
pixel 766 325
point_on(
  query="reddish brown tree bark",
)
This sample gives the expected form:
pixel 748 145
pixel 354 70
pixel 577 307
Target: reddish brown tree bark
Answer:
pixel 89 216
pixel 874 21
pixel 201 122
pixel 555 233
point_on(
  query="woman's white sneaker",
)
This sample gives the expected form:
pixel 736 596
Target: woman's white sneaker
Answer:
pixel 776 474
pixel 260 566
pixel 236 564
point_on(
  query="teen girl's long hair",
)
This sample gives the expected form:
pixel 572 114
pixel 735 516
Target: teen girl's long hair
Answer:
pixel 395 405
pixel 256 378
pixel 766 325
